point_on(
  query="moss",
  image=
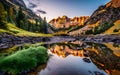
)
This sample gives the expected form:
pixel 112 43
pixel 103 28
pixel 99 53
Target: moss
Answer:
pixel 23 60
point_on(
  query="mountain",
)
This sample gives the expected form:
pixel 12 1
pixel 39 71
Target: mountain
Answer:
pixel 102 19
pixel 18 2
pixel 108 12
pixel 66 22
pixel 15 12
pixel 114 3
pixel 15 4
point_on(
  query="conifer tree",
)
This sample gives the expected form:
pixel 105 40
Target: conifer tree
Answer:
pixel 44 25
pixel 11 15
pixel 3 14
pixel 20 18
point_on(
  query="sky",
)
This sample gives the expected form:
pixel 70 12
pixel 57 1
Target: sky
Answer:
pixel 71 8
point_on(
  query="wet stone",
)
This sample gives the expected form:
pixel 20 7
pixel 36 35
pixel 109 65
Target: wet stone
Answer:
pixel 2 73
pixel 86 60
pixel 98 73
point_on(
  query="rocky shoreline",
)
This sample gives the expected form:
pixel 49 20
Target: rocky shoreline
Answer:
pixel 8 40
pixel 100 38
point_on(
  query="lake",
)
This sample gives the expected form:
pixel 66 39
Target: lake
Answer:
pixel 81 58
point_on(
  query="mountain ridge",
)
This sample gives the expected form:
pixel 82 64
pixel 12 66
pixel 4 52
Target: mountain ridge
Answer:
pixel 66 22
pixel 102 19
pixel 18 2
pixel 16 13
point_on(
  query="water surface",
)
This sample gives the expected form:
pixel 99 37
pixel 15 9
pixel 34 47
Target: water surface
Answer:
pixel 78 58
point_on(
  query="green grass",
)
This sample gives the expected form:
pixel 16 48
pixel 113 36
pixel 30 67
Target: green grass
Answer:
pixel 24 60
pixel 11 28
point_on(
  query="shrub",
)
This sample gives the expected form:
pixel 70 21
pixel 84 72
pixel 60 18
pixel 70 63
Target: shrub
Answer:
pixel 116 30
pixel 23 60
pixel 89 31
pixel 102 27
pixel 75 28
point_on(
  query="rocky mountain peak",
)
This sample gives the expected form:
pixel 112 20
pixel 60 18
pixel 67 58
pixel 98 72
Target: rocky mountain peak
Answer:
pixel 64 17
pixel 114 3
pixel 104 16
pixel 108 13
pixel 65 21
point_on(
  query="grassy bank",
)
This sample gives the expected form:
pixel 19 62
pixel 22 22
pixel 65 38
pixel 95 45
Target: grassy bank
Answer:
pixel 24 60
pixel 12 29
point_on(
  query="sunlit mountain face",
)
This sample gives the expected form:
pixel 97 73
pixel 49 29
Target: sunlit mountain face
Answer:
pixel 66 22
pixel 71 8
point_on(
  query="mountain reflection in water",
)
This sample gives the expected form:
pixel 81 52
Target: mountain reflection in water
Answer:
pixel 78 58
pixel 70 65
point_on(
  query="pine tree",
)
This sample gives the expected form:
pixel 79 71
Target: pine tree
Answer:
pixel 11 15
pixel 20 17
pixel 3 14
pixel 44 25
pixel 40 24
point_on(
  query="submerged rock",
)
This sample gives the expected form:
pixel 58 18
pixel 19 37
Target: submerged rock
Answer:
pixel 98 73
pixel 86 60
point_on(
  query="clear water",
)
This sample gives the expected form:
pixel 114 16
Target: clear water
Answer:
pixel 78 58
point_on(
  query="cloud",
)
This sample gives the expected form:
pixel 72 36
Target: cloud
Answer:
pixel 41 11
pixel 31 5
pixel 34 5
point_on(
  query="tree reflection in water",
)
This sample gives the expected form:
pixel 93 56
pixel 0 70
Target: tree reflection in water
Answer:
pixel 102 55
pixel 78 58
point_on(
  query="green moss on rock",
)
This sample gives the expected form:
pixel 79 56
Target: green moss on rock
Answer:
pixel 23 60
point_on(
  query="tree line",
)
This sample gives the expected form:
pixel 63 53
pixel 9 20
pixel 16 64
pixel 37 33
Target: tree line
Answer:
pixel 9 14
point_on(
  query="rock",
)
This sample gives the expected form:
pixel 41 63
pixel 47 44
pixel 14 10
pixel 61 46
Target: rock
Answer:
pixel 66 22
pixel 102 38
pixel 4 46
pixel 6 39
pixel 19 2
pixel 2 72
pixel 86 60
pixel 86 55
pixel 9 40
pixel 98 73
pixel 115 3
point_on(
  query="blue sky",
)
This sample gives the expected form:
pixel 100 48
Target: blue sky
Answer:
pixel 70 8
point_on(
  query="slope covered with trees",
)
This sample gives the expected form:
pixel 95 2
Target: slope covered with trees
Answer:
pixel 102 19
pixel 21 17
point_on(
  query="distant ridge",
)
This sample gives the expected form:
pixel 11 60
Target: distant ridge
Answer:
pixel 66 22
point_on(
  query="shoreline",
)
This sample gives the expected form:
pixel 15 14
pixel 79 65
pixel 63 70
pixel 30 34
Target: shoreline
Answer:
pixel 9 40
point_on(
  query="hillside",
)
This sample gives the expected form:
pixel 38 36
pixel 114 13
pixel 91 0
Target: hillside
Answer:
pixel 102 19
pixel 17 15
pixel 15 4
pixel 18 2
pixel 114 29
pixel 12 29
